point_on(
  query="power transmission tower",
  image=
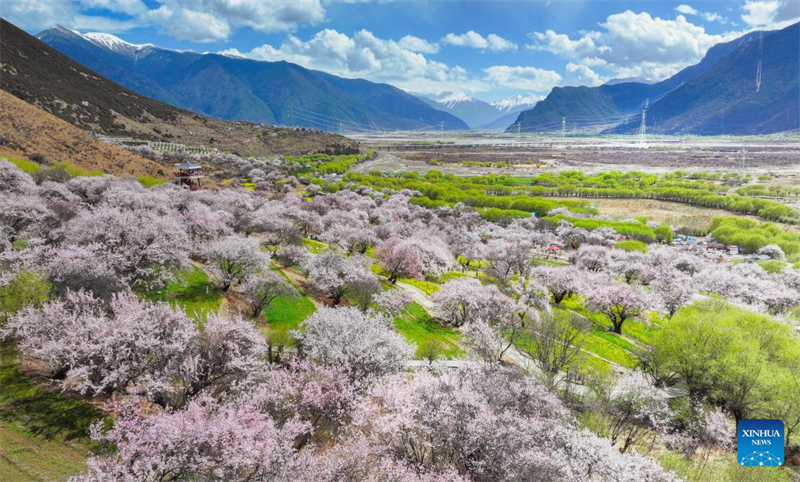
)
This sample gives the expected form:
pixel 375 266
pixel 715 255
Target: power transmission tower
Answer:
pixel 519 128
pixel 441 127
pixel 563 127
pixel 643 127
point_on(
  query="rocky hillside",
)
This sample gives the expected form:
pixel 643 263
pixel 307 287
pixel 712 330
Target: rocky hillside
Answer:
pixel 42 76
pixel 27 132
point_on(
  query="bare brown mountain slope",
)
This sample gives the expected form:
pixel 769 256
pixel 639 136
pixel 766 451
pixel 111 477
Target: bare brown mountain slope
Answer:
pixel 30 133
pixel 40 75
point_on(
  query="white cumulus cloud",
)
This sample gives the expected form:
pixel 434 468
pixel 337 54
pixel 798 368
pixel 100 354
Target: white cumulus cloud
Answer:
pixel 578 74
pixel 194 20
pixel 520 77
pixel 416 44
pixel 634 45
pixel 42 14
pixel 472 39
pixel 563 45
pixel 708 16
pixel 770 14
pixel 366 56
pixel 215 20
pixel 130 7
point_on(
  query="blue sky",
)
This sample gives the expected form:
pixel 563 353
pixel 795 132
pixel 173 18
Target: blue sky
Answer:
pixel 487 49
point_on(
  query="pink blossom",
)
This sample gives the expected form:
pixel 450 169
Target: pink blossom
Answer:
pixel 135 244
pixel 92 352
pixel 618 302
pixel 392 302
pixel 203 441
pixel 465 299
pixel 366 344
pixel 234 259
pixel 335 276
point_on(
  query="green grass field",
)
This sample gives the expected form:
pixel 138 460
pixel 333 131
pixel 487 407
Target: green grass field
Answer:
pixel 284 315
pixel 149 181
pixel 592 361
pixel 721 469
pixel 43 434
pixel 191 290
pixel 428 335
pixel 427 286
pixel 600 346
pixel 633 330
pixel 314 246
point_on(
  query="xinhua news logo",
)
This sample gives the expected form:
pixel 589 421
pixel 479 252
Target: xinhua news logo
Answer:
pixel 760 443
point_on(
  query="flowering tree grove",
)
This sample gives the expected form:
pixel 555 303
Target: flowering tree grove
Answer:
pixel 203 398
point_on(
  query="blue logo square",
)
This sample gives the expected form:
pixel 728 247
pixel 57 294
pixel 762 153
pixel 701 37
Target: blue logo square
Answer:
pixel 760 443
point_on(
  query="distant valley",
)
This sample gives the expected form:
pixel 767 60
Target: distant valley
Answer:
pixel 478 114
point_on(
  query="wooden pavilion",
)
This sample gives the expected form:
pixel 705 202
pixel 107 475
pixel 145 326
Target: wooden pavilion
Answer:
pixel 189 175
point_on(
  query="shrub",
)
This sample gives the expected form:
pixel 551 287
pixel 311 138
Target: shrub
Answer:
pixel 149 181
pixel 664 233
pixel 753 235
pixel 631 245
pixel 26 289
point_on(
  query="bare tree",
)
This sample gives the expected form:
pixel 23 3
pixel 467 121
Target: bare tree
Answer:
pixel 556 343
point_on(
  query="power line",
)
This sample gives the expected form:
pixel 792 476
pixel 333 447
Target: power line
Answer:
pixel 760 59
pixel 337 124
pixel 295 109
pixel 327 124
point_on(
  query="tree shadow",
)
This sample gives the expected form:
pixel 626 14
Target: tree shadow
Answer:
pixel 44 413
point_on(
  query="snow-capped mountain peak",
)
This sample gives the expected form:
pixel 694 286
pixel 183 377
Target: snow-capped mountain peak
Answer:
pixel 63 30
pixel 455 98
pixel 517 102
pixel 114 43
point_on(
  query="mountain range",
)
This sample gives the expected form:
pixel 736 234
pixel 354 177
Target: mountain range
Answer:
pixel 235 88
pixel 43 77
pixel 747 86
pixel 750 85
pixel 478 114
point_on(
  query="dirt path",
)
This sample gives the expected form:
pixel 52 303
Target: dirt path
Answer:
pixel 300 281
pixel 419 297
